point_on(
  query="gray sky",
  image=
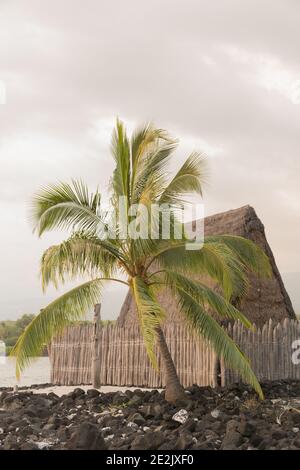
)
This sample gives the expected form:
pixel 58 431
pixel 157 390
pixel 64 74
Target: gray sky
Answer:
pixel 222 76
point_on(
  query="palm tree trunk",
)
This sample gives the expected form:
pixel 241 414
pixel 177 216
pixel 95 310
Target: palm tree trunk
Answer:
pixel 174 389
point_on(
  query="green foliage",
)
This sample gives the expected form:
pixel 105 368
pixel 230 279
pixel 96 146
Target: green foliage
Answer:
pixel 142 176
pixel 150 314
pixel 10 330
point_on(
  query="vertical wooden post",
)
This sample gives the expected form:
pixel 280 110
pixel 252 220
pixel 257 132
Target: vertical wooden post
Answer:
pixel 96 353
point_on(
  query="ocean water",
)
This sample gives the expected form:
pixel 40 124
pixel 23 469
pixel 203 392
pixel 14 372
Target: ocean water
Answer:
pixel 37 373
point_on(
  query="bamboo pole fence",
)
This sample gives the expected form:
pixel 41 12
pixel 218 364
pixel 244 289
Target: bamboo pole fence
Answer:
pixel 114 355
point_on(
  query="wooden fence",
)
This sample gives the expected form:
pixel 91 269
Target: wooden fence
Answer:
pixel 270 350
pixel 122 358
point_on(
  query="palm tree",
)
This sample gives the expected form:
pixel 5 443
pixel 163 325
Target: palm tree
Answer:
pixel 145 265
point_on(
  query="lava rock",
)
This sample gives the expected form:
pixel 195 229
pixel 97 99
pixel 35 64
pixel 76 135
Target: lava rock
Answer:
pixel 148 441
pixel 152 410
pixel 137 418
pixel 86 437
pixel 232 438
pixel 184 441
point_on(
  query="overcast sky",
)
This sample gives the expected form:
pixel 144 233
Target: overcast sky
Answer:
pixel 222 76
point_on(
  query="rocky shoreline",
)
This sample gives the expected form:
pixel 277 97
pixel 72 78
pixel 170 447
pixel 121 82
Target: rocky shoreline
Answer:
pixel 26 387
pixel 223 418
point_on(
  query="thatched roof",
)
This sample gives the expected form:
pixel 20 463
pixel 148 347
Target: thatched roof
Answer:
pixel 265 299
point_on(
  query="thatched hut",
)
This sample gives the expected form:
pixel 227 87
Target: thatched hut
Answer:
pixel 265 299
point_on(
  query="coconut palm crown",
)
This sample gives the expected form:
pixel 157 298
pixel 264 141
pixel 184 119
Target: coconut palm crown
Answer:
pixel 145 264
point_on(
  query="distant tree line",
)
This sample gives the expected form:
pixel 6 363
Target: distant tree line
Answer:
pixel 10 330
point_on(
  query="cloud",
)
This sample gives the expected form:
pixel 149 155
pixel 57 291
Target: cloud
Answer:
pixel 268 72
pixel 221 76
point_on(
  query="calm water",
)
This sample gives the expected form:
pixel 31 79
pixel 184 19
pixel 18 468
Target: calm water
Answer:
pixel 38 372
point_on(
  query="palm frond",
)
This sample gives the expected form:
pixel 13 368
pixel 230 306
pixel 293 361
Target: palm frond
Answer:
pixel 206 297
pixel 189 179
pixel 223 345
pixel 51 321
pixel 215 260
pixel 121 152
pixel 249 253
pixel 164 230
pixel 151 175
pixel 78 256
pixel 66 206
pixel 142 141
pixel 150 315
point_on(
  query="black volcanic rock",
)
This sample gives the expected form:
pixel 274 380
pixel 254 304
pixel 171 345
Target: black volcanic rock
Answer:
pixel 222 418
